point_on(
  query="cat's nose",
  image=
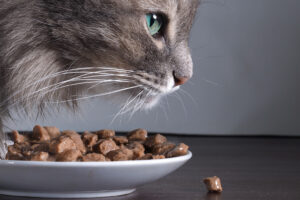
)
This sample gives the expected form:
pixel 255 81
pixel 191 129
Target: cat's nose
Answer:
pixel 180 80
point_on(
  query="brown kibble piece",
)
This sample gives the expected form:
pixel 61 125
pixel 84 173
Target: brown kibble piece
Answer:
pixel 13 150
pixel 18 138
pixel 105 146
pixel 179 150
pixel 120 140
pixel 137 135
pixel 27 154
pixel 22 147
pixel 40 156
pixel 89 139
pixel 40 133
pixel 137 148
pixel 93 157
pixel 158 157
pixel 213 184
pixel 52 131
pixel 155 140
pixel 62 144
pixel 14 153
pixel 76 139
pixel 51 158
pixel 147 156
pixel 120 154
pixel 40 147
pixel 17 151
pixel 162 149
pixel 69 155
pixel 105 134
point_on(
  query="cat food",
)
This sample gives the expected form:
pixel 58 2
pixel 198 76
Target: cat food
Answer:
pixel 137 135
pixel 93 157
pixel 105 146
pixel 50 144
pixel 213 184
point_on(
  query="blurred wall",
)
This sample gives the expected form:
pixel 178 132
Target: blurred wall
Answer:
pixel 246 77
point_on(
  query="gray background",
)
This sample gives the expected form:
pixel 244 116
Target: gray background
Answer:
pixel 247 62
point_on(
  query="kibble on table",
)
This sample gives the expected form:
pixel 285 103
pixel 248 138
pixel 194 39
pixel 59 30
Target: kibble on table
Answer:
pixel 213 184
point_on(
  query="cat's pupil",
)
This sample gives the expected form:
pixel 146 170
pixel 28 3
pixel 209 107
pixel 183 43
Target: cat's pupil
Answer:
pixel 154 23
pixel 153 18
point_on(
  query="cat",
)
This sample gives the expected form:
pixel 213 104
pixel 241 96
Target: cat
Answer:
pixel 62 51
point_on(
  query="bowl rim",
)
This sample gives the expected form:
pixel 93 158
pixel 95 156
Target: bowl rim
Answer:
pixel 21 163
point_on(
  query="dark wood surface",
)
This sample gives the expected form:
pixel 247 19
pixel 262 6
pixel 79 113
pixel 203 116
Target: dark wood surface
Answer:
pixel 251 168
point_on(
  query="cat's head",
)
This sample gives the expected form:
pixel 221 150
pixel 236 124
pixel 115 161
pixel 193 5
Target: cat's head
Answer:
pixel 136 48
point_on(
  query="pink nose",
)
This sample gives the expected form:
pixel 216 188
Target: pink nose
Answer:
pixel 180 80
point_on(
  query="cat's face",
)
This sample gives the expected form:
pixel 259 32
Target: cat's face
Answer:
pixel 136 48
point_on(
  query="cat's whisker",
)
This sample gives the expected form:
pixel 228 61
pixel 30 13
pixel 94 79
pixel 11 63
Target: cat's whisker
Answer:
pixel 108 75
pixel 165 112
pixel 135 107
pixel 98 95
pixel 31 85
pixel 96 72
pixel 52 76
pixel 101 68
pixel 168 105
pixel 136 98
pixel 182 103
pixel 120 111
pixel 211 82
pixel 190 96
pixel 124 108
pixel 130 105
pixel 82 82
pixel 92 81
pixel 105 80
pixel 78 78
pixel 140 103
pixel 60 85
pixel 86 82
pixel 73 71
pixel 41 93
pixel 116 81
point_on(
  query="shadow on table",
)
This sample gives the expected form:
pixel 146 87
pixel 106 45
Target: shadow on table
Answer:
pixel 213 196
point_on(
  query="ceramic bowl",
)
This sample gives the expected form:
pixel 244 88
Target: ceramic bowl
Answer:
pixel 82 179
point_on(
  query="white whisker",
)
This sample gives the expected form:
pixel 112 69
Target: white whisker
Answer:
pixel 72 72
pixel 125 109
pixel 165 112
pixel 182 103
pixel 140 103
pixel 101 68
pixel 190 96
pixel 61 85
pixel 109 81
pixel 97 95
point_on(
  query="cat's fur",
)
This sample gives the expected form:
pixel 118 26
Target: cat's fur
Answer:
pixel 65 50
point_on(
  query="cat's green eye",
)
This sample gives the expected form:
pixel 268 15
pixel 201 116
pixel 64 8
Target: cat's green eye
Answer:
pixel 154 23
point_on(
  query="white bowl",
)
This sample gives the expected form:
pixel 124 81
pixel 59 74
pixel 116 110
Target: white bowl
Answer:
pixel 82 179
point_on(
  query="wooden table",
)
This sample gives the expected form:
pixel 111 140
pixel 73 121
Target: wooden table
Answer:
pixel 254 168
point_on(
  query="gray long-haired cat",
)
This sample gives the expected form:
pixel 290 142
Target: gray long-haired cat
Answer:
pixel 66 50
